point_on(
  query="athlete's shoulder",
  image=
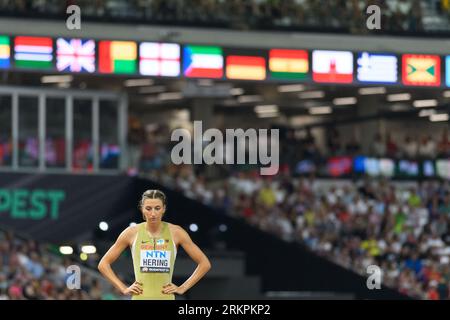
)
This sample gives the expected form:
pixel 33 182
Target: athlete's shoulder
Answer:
pixel 174 227
pixel 178 233
pixel 129 233
pixel 177 230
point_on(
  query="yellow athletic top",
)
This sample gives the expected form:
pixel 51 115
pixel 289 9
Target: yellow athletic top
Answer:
pixel 153 262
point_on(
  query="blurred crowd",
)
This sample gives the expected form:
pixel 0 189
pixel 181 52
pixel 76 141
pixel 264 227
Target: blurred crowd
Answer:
pixel 55 153
pixel 29 271
pixel 397 15
pixel 150 148
pixel 425 147
pixel 419 146
pixel 402 228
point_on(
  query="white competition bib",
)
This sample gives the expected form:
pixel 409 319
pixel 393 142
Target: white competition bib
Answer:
pixel 155 261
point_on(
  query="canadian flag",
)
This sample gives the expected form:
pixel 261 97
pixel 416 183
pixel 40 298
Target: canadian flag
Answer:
pixel 332 66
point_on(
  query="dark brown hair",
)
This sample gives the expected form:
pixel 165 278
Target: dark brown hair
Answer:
pixel 153 194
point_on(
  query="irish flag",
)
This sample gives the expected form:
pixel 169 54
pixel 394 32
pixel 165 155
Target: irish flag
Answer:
pixel 203 62
pixel 33 52
pixel 4 52
pixel 117 56
pixel 288 64
pixel 246 67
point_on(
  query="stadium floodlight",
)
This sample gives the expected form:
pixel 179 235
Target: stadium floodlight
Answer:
pixel 346 101
pixel 312 95
pixel 193 227
pixel 249 98
pixel 56 79
pixel 63 85
pixel 170 96
pixel 372 90
pixel 425 103
pixel 267 108
pixel 66 250
pixel 89 249
pixel 267 111
pixel 399 97
pixel 426 112
pixel 230 102
pixel 437 117
pixel 205 82
pixel 268 115
pixel 291 88
pixel 400 107
pixel 320 110
pixel 310 104
pixel 103 226
pixel 236 91
pixel 153 89
pixel 151 100
pixel 138 82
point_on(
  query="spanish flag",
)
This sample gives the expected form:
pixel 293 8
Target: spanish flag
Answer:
pixel 246 67
pixel 288 64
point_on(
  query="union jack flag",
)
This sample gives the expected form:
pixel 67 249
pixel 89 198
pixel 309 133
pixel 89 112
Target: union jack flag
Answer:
pixel 75 55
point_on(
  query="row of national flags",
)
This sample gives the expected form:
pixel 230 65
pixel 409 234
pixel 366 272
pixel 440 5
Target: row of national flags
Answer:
pixel 200 61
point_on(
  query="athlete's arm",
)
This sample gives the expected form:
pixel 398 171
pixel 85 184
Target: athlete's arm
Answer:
pixel 104 266
pixel 197 255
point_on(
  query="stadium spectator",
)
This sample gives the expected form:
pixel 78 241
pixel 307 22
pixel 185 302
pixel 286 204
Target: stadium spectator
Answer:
pixel 391 146
pixel 378 146
pixel 136 136
pixel 373 222
pixel 444 144
pixel 427 148
pixel 28 271
pixel 350 16
pixel 409 148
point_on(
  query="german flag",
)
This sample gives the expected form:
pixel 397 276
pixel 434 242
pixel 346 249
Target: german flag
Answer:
pixel 246 67
pixel 288 64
